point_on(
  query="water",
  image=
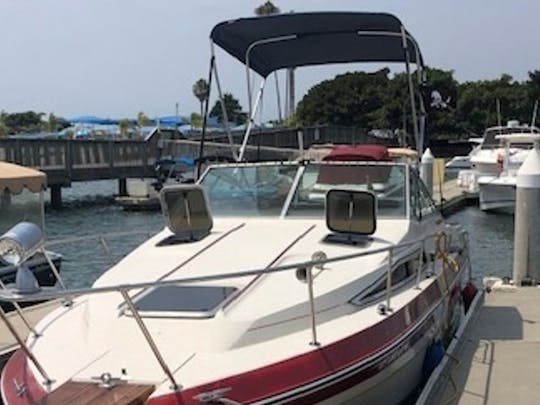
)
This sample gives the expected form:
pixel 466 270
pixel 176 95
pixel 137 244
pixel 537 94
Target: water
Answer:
pixel 491 241
pixel 90 211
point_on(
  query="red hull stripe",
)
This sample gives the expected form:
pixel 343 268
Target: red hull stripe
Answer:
pixel 340 365
pixel 271 383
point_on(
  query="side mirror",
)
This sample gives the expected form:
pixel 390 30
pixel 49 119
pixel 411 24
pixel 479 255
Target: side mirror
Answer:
pixel 186 211
pixel 352 212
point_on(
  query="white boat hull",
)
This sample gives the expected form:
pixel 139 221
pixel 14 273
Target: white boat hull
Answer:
pixel 497 194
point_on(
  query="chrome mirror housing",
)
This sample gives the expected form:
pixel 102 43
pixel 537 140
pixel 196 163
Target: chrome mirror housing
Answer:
pixel 20 242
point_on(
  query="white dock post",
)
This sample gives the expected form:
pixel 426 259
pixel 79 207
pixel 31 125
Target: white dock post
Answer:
pixel 426 170
pixel 527 220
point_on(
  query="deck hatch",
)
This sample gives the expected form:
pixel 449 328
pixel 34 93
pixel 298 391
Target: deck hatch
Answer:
pixel 191 301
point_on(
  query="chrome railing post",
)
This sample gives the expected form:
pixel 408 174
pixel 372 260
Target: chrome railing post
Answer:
pixel 25 348
pixel 149 339
pixel 67 300
pixel 53 268
pixel 309 276
pixel 21 313
pixel 106 249
pixel 389 278
pixel 420 265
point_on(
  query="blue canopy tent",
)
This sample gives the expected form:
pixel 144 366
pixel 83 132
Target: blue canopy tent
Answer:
pixel 93 120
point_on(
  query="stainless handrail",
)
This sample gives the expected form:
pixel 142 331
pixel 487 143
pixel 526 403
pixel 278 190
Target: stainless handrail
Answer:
pixel 51 294
pixel 149 339
pixel 123 289
pixel 389 278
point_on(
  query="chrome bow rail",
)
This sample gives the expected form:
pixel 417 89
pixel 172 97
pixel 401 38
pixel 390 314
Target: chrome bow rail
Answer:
pixel 439 252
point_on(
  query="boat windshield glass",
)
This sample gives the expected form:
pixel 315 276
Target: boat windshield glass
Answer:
pixel 248 190
pixel 387 181
pixel 262 189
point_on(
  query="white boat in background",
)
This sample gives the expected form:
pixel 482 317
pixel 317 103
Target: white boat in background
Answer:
pixel 143 193
pixel 459 163
pixel 498 193
pixel 332 281
pixel 487 158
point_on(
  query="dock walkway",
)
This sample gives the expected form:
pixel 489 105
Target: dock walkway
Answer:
pixel 451 198
pixel 497 361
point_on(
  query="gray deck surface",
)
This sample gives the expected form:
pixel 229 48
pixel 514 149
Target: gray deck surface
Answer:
pixel 499 359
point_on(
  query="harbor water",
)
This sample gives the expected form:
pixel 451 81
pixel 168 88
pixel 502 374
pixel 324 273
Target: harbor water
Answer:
pixel 91 225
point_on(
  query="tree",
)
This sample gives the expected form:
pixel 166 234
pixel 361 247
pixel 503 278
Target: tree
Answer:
pixel 142 119
pixel 28 121
pixel 477 101
pixel 267 8
pixel 351 99
pixel 200 91
pixel 52 123
pixel 124 127
pixel 233 108
pixel 196 120
pixel 3 127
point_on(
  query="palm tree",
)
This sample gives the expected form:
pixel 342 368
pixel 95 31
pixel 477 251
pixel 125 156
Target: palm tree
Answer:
pixel 200 90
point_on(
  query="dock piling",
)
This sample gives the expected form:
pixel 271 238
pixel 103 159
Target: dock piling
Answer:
pixel 426 170
pixel 527 220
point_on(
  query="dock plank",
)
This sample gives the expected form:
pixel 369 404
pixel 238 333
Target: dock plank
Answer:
pixel 90 393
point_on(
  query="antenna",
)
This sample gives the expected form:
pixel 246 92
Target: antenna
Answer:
pixel 498 103
pixel 535 110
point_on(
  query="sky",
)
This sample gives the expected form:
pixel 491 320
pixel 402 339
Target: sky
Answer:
pixel 115 58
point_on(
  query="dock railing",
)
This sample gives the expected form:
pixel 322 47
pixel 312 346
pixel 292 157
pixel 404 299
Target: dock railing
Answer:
pixel 426 265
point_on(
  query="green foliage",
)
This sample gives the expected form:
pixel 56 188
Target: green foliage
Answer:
pixel 54 123
pixel 233 108
pixel 477 103
pixel 142 119
pixel 267 8
pixel 201 91
pixel 351 99
pixel 28 121
pixel 124 126
pixel 196 120
pixel 374 100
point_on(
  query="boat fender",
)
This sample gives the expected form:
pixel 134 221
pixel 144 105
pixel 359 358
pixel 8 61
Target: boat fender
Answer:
pixel 500 161
pixel 468 293
pixel 434 355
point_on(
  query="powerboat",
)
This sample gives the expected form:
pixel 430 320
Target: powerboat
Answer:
pixel 459 163
pixel 330 280
pixel 21 199
pixel 498 193
pixel 487 158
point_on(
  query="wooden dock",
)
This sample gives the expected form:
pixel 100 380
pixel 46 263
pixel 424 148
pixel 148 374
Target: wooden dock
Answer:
pixel 451 198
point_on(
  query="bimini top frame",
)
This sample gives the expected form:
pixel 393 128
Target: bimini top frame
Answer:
pixel 269 43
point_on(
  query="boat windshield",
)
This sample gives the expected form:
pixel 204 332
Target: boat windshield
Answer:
pixel 386 181
pixel 262 189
